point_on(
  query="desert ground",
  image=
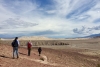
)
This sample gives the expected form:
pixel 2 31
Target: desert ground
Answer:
pixel 55 53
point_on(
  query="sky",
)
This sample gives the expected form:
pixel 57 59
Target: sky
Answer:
pixel 49 18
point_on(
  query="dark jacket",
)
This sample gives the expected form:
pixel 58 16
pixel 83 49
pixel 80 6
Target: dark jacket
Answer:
pixel 15 43
pixel 39 49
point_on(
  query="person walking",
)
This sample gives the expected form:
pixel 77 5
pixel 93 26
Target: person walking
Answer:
pixel 15 45
pixel 29 46
pixel 39 50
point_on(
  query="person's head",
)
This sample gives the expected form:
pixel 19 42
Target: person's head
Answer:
pixel 16 38
pixel 29 40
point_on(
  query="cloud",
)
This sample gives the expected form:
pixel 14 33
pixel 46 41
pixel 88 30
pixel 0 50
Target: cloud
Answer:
pixel 29 33
pixel 96 28
pixel 4 13
pixel 16 23
pixel 47 32
pixel 41 33
pixel 79 31
pixel 45 4
pixel 81 7
pixel 87 30
pixel 19 7
pixel 61 18
pixel 97 20
pixel 80 18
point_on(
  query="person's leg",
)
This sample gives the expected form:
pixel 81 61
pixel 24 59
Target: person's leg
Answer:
pixel 17 52
pixel 39 53
pixel 13 52
pixel 28 52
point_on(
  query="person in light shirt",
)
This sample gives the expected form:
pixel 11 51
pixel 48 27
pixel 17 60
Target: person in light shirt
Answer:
pixel 15 45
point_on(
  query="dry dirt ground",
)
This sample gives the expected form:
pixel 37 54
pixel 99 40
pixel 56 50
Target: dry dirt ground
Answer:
pixel 52 56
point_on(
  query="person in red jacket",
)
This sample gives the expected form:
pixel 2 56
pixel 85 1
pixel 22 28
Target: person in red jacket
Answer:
pixel 29 46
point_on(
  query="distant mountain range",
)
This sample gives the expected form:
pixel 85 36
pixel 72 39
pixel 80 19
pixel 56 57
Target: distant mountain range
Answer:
pixel 93 35
pixel 39 37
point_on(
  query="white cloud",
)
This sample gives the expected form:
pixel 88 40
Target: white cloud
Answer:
pixel 81 12
pixel 51 11
pixel 4 13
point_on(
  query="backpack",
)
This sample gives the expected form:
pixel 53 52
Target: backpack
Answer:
pixel 29 45
pixel 13 43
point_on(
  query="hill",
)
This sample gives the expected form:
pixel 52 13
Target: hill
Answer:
pixel 94 36
pixel 34 38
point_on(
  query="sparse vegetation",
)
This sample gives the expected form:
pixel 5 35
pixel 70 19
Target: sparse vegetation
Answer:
pixel 98 65
pixel 42 59
pixel 37 42
pixel 56 51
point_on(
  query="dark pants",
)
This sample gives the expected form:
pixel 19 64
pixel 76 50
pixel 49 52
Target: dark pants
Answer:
pixel 39 52
pixel 29 51
pixel 15 52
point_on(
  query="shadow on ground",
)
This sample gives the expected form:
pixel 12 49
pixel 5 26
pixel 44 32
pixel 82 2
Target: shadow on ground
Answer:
pixel 22 53
pixel 4 56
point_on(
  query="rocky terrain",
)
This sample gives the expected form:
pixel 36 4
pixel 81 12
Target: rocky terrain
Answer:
pixel 79 53
pixel 34 60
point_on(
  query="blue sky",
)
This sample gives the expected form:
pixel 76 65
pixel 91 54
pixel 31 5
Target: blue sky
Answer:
pixel 50 18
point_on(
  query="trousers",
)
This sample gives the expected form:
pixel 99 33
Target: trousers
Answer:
pixel 15 52
pixel 29 51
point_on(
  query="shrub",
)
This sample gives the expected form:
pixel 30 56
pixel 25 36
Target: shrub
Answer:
pixel 42 59
pixel 98 65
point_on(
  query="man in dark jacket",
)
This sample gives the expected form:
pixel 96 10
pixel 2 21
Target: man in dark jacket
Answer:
pixel 15 45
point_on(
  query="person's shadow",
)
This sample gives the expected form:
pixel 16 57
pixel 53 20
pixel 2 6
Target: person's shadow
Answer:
pixel 4 56
pixel 22 53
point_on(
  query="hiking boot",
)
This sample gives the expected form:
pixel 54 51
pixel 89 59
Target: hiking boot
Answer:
pixel 17 57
